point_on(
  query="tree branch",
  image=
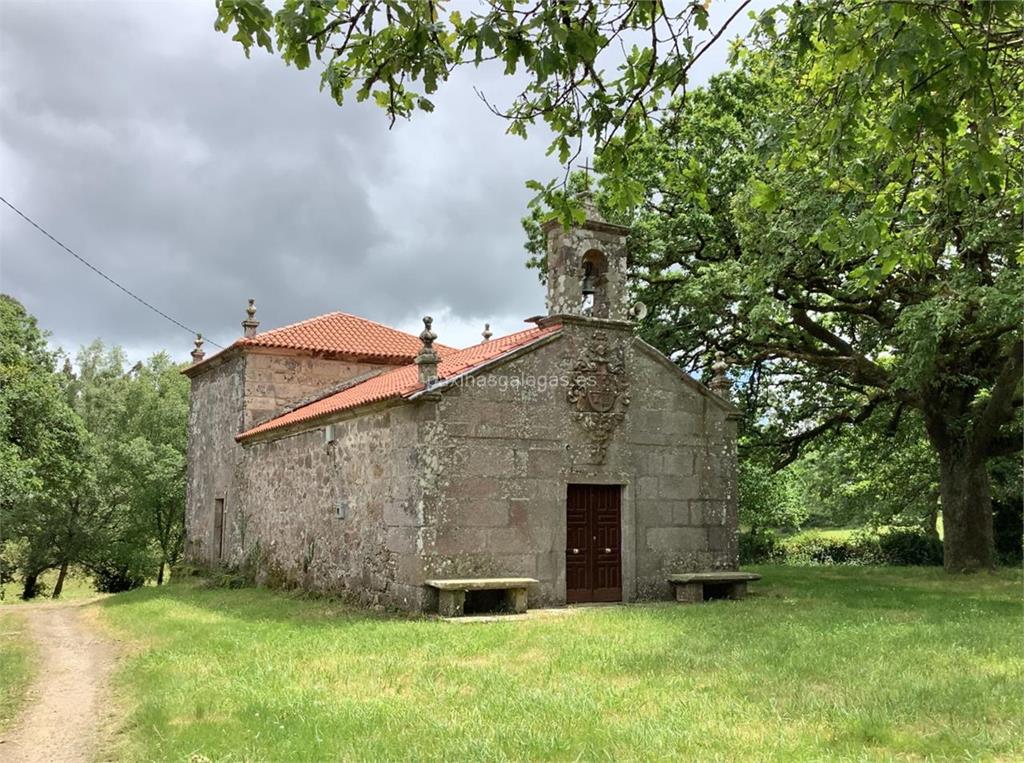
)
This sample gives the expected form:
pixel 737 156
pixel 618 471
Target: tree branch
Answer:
pixel 863 368
pixel 999 408
pixel 796 442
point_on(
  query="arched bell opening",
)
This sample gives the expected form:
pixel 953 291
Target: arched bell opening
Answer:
pixel 595 284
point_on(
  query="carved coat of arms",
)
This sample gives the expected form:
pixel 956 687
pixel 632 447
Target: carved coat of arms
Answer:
pixel 598 390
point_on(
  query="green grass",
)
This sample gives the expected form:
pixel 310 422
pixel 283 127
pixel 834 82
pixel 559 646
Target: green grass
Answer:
pixel 854 663
pixel 77 585
pixel 16 655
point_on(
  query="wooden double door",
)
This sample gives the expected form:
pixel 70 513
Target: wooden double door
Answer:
pixel 593 543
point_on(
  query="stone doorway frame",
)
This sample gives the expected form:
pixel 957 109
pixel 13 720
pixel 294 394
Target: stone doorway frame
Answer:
pixel 628 529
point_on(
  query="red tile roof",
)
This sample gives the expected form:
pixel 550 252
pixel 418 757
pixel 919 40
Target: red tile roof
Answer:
pixel 338 334
pixel 403 382
pixel 344 334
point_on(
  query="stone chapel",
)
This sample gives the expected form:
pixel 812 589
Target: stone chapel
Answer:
pixel 341 455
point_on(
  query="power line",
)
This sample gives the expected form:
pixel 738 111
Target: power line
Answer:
pixel 100 273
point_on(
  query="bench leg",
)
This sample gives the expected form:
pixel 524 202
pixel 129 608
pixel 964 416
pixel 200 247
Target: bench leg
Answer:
pixel 738 590
pixel 450 603
pixel 515 599
pixel 689 593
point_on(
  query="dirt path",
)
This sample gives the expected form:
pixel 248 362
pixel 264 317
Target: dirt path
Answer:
pixel 68 705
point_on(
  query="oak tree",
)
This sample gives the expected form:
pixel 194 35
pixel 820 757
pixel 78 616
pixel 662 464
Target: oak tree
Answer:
pixel 895 286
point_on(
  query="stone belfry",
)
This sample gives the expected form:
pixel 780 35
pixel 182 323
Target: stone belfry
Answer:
pixel 587 267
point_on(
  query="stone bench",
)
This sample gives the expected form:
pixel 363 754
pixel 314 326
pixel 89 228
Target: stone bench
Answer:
pixel 689 587
pixel 451 594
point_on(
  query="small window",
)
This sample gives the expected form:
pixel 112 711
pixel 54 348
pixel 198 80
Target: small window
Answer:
pixel 329 434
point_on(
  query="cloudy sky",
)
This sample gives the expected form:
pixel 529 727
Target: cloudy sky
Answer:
pixel 149 144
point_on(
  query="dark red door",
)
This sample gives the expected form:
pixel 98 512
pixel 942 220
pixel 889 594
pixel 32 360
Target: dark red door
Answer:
pixel 593 543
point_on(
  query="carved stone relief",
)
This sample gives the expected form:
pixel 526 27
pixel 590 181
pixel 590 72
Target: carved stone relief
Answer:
pixel 599 391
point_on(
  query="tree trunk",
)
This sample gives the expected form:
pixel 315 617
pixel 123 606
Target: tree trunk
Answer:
pixel 966 511
pixel 160 573
pixel 30 587
pixel 58 587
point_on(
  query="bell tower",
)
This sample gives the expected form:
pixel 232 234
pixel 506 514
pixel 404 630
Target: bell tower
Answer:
pixel 587 267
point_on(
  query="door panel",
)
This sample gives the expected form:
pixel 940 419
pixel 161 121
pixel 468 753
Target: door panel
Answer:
pixel 577 552
pixel 593 554
pixel 607 549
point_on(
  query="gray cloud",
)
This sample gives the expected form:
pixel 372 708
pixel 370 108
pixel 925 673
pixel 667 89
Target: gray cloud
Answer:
pixel 147 142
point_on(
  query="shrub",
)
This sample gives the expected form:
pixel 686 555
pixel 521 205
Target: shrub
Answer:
pixel 905 546
pixel 230 578
pixel 182 570
pixel 814 548
pixel 760 546
pixel 901 546
pixel 115 579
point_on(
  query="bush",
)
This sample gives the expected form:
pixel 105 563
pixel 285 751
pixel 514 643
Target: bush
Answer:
pixel 759 546
pixel 226 578
pixel 905 546
pixel 814 549
pixel 182 570
pixel 901 546
pixel 111 579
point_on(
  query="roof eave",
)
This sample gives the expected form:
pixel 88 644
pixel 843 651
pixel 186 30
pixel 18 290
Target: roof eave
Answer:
pixel 315 422
pixel 487 365
pixel 208 364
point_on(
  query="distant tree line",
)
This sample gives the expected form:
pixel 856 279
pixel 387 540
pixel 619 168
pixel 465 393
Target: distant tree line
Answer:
pixel 92 461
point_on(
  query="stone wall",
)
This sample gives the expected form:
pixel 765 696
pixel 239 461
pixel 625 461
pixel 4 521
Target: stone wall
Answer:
pixel 287 521
pixel 215 417
pixel 501 455
pixel 278 379
pixel 683 447
pixel 226 399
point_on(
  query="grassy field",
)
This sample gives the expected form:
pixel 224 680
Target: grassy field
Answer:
pixel 15 666
pixel 854 663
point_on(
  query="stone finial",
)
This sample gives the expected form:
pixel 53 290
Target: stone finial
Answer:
pixel 427 359
pixel 487 332
pixel 720 383
pixel 250 324
pixel 197 351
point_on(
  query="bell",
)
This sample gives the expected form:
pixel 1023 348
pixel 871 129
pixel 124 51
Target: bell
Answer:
pixel 588 280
